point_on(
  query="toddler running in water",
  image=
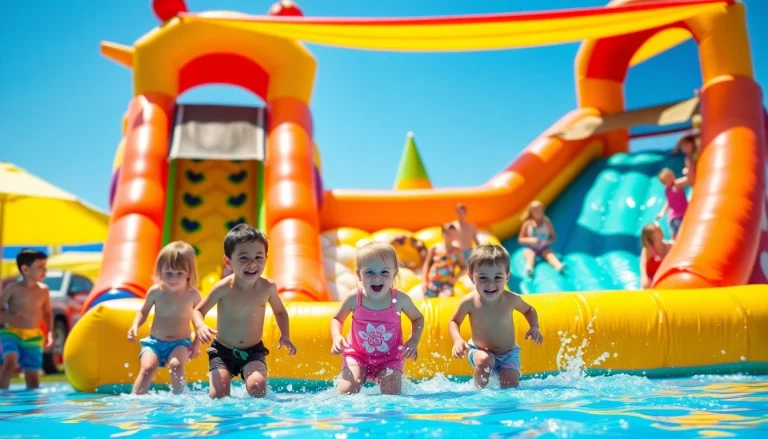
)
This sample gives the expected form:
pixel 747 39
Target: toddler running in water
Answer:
pixel 242 299
pixel 677 202
pixel 375 349
pixel 443 265
pixel 174 297
pixel 537 235
pixel 655 249
pixel 490 307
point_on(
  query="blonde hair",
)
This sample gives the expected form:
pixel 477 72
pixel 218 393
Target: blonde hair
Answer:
pixel 489 254
pixel 646 236
pixel 178 255
pixel 376 250
pixel 527 213
pixel 667 171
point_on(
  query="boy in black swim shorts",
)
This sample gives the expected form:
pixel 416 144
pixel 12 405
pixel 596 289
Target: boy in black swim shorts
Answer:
pixel 242 299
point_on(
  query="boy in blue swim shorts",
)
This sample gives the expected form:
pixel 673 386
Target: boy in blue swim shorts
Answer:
pixel 28 302
pixel 492 348
pixel 173 297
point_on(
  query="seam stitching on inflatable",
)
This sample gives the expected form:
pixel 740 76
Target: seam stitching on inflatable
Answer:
pixel 745 317
pixel 663 325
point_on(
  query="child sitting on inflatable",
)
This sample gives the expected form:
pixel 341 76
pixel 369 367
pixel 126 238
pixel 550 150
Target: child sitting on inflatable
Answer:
pixel 443 265
pixel 537 235
pixel 28 302
pixel 375 349
pixel 677 201
pixel 489 307
pixel 242 299
pixel 655 249
pixel 174 297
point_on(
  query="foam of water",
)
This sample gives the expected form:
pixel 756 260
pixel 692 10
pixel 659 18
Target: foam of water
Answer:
pixel 566 404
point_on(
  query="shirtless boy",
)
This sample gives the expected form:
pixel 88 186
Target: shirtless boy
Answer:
pixel 28 302
pixel 242 298
pixel 490 307
pixel 467 232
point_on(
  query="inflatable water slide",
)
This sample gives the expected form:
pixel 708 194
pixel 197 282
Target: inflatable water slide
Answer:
pixel 191 172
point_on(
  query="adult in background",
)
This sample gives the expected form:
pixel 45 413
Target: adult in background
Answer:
pixel 467 232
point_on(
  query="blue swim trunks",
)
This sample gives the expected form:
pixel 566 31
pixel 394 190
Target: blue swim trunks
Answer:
pixel 27 344
pixel 509 360
pixel 162 348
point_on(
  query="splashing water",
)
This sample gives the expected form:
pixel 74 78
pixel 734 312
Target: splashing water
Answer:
pixel 563 405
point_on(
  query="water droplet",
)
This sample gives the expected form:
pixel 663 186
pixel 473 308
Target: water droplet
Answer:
pixel 743 358
pixel 722 351
pixel 125 365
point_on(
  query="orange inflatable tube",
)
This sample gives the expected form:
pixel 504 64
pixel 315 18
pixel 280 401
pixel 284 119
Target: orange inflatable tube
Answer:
pixel 136 228
pixel 718 239
pixel 295 257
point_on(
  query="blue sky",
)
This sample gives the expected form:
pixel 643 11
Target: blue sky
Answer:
pixel 472 113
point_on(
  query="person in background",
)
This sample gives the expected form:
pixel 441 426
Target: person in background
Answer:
pixel 655 249
pixel 467 232
pixel 677 201
pixel 537 235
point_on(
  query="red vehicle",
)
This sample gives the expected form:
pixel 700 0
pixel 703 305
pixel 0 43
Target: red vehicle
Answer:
pixel 68 292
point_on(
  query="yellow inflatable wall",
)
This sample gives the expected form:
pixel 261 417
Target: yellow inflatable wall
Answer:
pixel 652 332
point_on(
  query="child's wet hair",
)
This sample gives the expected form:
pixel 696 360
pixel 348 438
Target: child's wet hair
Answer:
pixel 180 256
pixel 376 250
pixel 241 234
pixel 646 236
pixel 28 256
pixel 489 254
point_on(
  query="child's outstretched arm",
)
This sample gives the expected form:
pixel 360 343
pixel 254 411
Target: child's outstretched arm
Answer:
pixel 460 346
pixel 532 317
pixel 683 181
pixel 143 313
pixel 662 211
pixel 204 333
pixel 406 305
pixel 48 317
pixel 337 322
pixel 194 350
pixel 282 320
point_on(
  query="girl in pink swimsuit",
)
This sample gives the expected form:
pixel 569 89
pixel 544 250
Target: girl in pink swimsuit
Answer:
pixel 677 201
pixel 374 349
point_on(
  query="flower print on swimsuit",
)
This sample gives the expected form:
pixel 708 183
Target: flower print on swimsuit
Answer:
pixel 375 338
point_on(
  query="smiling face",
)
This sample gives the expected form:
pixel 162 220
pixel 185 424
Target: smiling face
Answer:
pixel 489 280
pixel 377 276
pixel 247 261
